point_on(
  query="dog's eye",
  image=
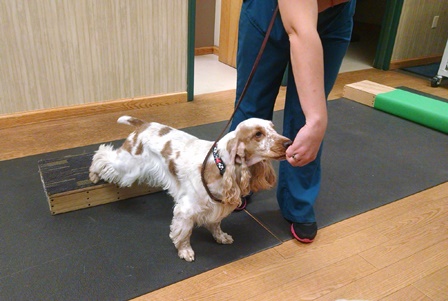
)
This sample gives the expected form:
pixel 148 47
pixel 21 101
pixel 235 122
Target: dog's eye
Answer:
pixel 258 134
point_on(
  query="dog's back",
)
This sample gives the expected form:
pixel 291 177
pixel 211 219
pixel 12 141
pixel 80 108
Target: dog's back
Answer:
pixel 154 154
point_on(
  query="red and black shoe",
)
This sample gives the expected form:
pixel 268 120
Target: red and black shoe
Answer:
pixel 244 200
pixel 304 232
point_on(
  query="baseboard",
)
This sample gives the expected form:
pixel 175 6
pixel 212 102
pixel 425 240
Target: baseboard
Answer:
pixel 206 50
pixel 18 119
pixel 415 62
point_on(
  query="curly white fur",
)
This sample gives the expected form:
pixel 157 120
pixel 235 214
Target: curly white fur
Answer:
pixel 158 155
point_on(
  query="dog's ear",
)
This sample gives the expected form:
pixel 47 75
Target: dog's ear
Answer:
pixel 262 176
pixel 244 175
pixel 231 189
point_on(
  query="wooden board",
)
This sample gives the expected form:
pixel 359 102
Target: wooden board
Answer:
pixel 94 196
pixel 364 91
pixel 68 188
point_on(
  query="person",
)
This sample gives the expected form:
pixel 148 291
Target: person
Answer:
pixel 311 37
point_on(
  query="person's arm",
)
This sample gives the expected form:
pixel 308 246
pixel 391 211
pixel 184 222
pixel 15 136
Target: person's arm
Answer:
pixel 300 21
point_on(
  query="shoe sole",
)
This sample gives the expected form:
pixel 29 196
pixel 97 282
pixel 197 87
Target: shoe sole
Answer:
pixel 302 240
pixel 242 207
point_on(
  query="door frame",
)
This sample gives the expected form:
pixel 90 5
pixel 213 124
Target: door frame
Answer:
pixel 190 48
pixel 388 34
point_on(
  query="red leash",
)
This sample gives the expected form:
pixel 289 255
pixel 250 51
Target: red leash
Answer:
pixel 249 79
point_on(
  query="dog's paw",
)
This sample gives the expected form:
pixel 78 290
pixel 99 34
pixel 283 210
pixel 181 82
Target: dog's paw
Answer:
pixel 224 239
pixel 187 254
pixel 94 177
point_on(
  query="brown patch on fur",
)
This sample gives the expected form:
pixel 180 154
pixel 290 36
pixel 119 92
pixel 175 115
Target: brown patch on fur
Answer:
pixel 172 167
pixel 135 138
pixel 167 150
pixel 248 133
pixel 248 136
pixel 127 146
pixel 139 150
pixel 136 122
pixel 165 130
pixel 140 129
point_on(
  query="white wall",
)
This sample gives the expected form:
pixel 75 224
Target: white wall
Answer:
pixel 63 53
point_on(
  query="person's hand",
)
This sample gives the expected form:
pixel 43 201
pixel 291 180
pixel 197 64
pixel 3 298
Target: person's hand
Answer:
pixel 306 145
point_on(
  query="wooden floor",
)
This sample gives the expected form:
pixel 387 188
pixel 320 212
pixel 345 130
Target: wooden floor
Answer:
pixel 396 252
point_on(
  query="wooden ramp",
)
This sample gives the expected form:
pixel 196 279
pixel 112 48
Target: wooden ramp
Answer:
pixel 68 188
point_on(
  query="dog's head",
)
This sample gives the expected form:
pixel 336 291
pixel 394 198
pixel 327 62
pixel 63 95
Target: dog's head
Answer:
pixel 257 140
pixel 254 145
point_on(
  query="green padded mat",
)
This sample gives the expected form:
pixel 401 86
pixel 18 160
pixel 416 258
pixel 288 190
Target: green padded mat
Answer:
pixel 414 107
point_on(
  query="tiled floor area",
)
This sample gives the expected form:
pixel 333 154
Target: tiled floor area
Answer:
pixel 213 76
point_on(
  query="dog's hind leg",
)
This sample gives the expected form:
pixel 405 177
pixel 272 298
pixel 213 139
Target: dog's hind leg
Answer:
pixel 220 236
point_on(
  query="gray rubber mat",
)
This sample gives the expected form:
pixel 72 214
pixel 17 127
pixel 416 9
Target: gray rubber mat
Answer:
pixel 122 250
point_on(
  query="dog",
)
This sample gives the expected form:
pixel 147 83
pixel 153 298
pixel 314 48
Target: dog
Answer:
pixel 161 156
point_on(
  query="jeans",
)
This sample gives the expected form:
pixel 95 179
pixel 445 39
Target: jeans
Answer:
pixel 298 187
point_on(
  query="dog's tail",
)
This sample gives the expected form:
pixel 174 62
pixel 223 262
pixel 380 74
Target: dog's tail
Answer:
pixel 130 121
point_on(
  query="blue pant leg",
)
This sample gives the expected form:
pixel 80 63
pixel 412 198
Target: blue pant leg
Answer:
pixel 260 97
pixel 335 30
pixel 298 187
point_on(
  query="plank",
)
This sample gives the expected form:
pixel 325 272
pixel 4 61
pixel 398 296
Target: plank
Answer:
pixel 410 233
pixel 308 259
pixel 365 91
pixel 409 293
pixel 435 286
pixel 321 282
pixel 395 277
pixel 68 188
pixel 94 196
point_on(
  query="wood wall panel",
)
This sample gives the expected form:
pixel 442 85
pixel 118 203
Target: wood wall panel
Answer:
pixel 61 53
pixel 415 38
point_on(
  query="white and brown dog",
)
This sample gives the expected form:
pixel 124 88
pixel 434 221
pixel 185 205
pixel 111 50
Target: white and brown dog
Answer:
pixel 158 155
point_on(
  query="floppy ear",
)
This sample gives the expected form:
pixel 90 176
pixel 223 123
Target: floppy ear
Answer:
pixel 231 190
pixel 263 176
pixel 244 174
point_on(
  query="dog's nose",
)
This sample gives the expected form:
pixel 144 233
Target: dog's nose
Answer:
pixel 287 144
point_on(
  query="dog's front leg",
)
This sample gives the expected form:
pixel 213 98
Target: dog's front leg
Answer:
pixel 220 236
pixel 180 233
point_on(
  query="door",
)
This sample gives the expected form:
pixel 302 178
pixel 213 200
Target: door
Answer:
pixel 228 33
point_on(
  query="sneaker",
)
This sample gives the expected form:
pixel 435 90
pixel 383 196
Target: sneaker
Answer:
pixel 244 200
pixel 304 232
